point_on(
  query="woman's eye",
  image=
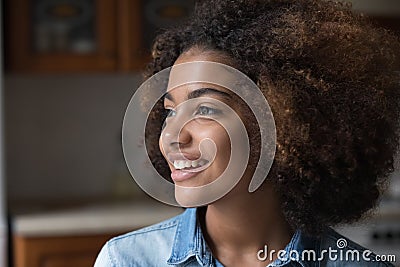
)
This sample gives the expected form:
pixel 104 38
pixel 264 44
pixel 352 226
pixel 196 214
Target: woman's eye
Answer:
pixel 170 112
pixel 207 111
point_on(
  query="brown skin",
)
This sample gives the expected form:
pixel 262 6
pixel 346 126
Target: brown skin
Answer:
pixel 233 226
pixel 191 135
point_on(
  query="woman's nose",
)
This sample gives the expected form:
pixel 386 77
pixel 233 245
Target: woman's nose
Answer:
pixel 176 134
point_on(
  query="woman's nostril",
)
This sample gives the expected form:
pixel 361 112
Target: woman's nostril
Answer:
pixel 184 138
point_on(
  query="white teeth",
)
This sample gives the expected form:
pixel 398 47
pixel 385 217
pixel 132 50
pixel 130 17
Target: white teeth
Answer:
pixel 177 164
pixel 181 164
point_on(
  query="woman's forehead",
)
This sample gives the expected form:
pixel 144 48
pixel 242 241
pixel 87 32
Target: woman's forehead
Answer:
pixel 191 75
pixel 198 54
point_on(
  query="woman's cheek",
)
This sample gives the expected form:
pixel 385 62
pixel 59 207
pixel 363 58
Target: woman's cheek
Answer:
pixel 221 139
pixel 160 145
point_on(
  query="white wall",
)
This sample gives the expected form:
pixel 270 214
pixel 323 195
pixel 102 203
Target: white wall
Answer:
pixel 62 134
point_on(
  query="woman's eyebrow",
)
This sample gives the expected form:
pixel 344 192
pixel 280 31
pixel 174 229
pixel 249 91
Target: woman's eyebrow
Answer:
pixel 168 96
pixel 200 92
pixel 205 91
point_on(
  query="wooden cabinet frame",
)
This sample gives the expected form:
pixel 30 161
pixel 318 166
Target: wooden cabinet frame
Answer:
pixel 119 38
pixel 130 50
pixel 21 57
pixel 63 251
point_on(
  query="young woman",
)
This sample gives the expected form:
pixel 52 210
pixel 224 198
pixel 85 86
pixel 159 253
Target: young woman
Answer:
pixel 328 76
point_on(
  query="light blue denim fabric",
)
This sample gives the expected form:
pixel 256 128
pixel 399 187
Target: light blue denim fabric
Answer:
pixel 179 242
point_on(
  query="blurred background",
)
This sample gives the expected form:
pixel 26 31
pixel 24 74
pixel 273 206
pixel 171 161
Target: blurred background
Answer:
pixel 68 71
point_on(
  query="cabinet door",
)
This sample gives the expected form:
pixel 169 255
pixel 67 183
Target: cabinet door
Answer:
pixel 139 21
pixel 60 36
pixel 79 251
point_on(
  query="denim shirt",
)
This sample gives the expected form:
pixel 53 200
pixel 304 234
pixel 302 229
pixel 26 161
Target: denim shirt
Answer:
pixel 180 242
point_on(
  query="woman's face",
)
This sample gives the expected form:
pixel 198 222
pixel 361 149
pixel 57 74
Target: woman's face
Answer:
pixel 182 149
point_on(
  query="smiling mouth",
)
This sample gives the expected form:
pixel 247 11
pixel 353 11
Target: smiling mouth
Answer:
pixel 191 165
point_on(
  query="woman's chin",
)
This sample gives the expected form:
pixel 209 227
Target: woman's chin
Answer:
pixel 197 196
pixel 190 197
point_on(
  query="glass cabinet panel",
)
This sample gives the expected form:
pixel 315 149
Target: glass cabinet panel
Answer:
pixel 63 26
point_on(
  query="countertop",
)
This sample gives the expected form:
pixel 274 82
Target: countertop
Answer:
pixel 127 216
pixel 92 219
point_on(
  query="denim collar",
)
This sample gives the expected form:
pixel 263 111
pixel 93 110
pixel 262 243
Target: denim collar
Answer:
pixel 294 250
pixel 189 244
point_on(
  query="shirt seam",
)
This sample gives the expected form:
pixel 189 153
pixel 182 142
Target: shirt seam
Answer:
pixel 173 257
pixel 183 257
pixel 143 231
pixel 109 255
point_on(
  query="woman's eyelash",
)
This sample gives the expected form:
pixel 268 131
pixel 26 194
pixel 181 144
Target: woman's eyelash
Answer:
pixel 207 111
pixel 169 112
pixel 201 110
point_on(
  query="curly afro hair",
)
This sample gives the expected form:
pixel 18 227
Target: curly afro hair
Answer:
pixel 329 77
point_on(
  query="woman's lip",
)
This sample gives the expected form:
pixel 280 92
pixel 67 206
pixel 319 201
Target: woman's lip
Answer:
pixel 181 156
pixel 179 175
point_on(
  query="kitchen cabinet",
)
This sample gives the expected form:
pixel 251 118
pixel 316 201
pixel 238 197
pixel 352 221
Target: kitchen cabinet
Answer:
pixel 61 251
pixel 45 36
pixel 74 237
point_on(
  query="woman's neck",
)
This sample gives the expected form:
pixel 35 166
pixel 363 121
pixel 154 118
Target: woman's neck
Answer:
pixel 237 226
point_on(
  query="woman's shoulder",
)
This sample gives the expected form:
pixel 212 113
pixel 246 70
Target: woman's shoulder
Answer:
pixel 335 248
pixel 148 231
pixel 140 247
